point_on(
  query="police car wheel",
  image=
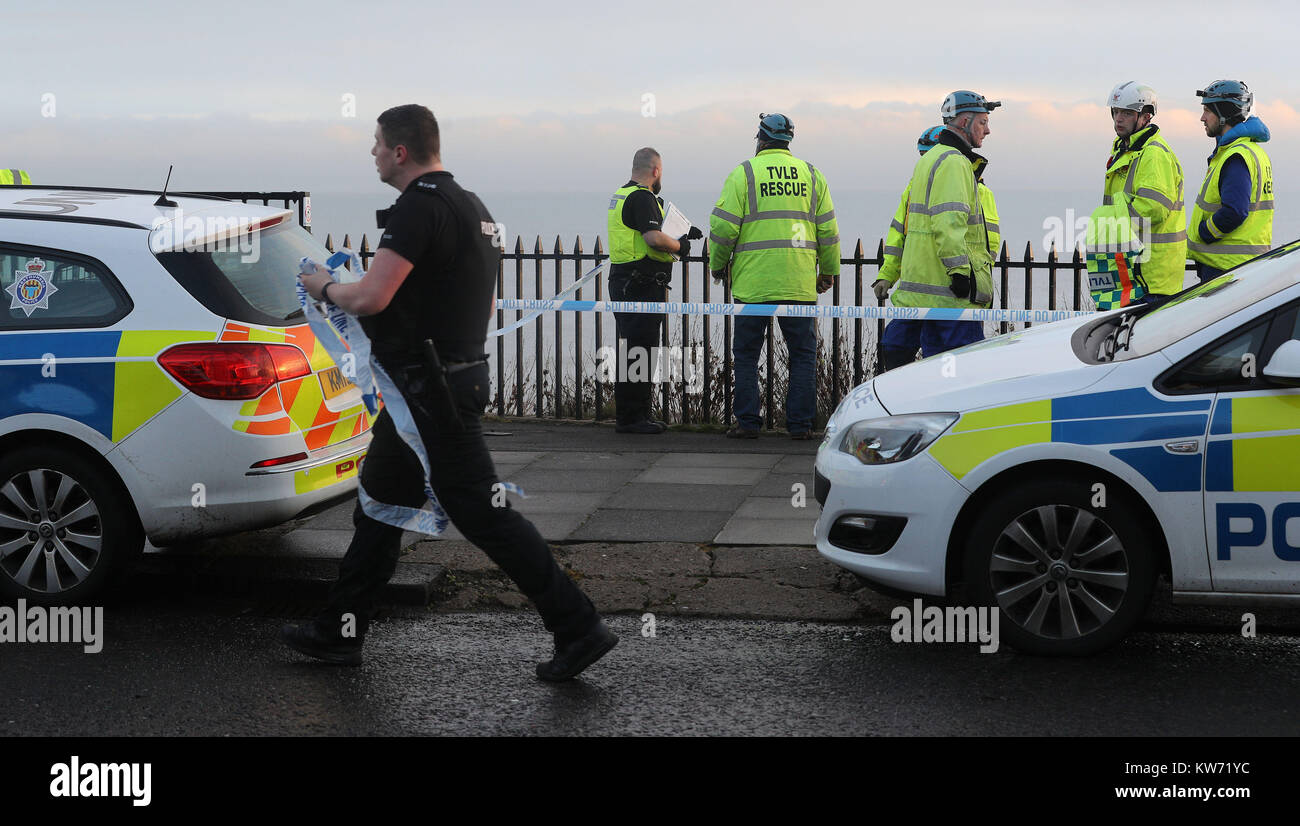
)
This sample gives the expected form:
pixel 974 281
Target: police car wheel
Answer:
pixel 1068 578
pixel 65 527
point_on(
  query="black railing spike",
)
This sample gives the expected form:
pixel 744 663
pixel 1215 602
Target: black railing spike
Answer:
pixel 600 247
pixel 1004 254
pixel 1078 255
pixel 880 249
pixel 577 250
pixel 857 251
pixel 537 248
pixel 329 242
pixel 1029 251
pixel 1051 253
pixel 347 242
pixel 559 247
pixel 519 245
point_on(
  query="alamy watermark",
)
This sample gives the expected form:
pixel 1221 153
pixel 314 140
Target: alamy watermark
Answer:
pixel 655 365
pixel 39 623
pixel 207 233
pixel 952 623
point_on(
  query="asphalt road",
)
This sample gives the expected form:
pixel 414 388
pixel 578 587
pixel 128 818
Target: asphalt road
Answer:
pixel 215 667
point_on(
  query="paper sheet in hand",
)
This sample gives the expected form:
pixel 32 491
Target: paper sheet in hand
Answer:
pixel 675 223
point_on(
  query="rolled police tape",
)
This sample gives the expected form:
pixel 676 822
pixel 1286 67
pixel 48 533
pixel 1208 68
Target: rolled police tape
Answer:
pixel 541 305
pixel 341 336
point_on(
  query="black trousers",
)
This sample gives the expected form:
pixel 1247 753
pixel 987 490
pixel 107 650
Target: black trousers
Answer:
pixel 462 479
pixel 632 398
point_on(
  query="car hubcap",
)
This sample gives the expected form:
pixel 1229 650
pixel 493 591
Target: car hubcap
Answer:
pixel 50 531
pixel 1059 572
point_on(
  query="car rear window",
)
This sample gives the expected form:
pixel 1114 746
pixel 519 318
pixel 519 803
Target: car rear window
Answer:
pixel 254 283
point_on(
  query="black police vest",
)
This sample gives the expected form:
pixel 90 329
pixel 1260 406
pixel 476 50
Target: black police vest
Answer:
pixel 451 303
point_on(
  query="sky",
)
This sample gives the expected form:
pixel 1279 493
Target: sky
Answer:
pixel 555 98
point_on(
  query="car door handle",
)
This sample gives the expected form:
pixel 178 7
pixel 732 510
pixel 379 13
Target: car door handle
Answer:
pixel 1186 446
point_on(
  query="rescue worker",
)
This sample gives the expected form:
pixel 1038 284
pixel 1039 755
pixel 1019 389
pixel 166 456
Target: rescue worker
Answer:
pixel 1144 174
pixel 773 229
pixel 432 279
pixel 1232 220
pixel 14 176
pixel 946 256
pixel 892 265
pixel 641 260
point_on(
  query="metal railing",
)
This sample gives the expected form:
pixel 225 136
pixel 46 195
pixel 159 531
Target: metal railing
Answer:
pixel 546 394
pixel 290 199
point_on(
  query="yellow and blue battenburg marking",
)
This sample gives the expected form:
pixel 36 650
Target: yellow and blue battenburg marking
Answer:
pixel 106 380
pixel 1253 444
pixel 1113 417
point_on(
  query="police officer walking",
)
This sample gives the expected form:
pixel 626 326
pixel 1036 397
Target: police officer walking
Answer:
pixel 946 259
pixel 641 260
pixel 430 286
pixel 774 225
pixel 891 268
pixel 1232 221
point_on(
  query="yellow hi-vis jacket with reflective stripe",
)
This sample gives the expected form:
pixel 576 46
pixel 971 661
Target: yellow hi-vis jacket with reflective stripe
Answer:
pixel 775 222
pixel 946 233
pixel 1147 177
pixel 626 244
pixel 1255 235
pixel 14 176
pixel 892 265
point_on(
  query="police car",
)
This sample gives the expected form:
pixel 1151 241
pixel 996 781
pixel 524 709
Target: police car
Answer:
pixel 157 379
pixel 1057 471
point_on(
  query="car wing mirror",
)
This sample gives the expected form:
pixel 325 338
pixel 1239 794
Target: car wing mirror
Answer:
pixel 1284 366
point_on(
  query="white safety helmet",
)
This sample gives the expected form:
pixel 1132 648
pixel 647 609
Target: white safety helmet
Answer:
pixel 1132 95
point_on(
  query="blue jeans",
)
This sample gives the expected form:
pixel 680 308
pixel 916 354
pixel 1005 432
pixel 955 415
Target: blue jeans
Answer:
pixel 747 340
pixel 903 336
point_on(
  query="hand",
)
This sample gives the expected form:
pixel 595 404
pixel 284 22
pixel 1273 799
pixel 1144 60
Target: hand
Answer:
pixel 695 234
pixel 825 282
pixel 960 283
pixel 315 282
pixel 720 276
pixel 881 288
pixel 684 246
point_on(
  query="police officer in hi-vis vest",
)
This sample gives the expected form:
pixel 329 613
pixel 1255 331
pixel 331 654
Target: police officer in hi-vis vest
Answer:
pixel 10 177
pixel 774 223
pixel 640 268
pixel 1232 220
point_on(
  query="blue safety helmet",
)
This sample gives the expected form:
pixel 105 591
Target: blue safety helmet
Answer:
pixel 965 101
pixel 929 138
pixel 1229 99
pixel 775 127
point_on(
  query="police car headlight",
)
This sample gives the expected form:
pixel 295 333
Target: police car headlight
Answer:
pixel 894 438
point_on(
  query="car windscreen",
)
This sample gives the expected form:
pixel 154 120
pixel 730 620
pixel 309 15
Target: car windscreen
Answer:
pixel 253 281
pixel 1201 306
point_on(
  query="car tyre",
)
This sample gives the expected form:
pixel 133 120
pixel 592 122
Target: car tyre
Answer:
pixel 1069 578
pixel 66 527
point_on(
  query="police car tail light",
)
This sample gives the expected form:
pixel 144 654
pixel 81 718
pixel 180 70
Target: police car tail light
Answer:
pixel 290 362
pixel 222 370
pixel 894 438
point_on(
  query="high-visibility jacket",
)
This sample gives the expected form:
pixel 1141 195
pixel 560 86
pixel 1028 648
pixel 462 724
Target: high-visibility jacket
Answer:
pixel 626 244
pixel 1145 176
pixel 14 176
pixel 1255 235
pixel 775 222
pixel 892 266
pixel 946 233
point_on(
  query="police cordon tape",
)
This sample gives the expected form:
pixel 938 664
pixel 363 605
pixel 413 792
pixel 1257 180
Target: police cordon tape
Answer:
pixel 541 305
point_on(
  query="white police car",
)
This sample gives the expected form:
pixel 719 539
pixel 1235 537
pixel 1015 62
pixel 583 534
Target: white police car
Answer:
pixel 1055 472
pixel 157 379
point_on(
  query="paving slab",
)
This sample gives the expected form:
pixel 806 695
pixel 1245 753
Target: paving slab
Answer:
pixel 594 461
pixel 796 464
pixel 708 460
pixel 586 481
pixel 775 507
pixel 739 531
pixel 639 496
pixel 701 476
pixel 609 524
pixel 558 502
pixel 782 484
